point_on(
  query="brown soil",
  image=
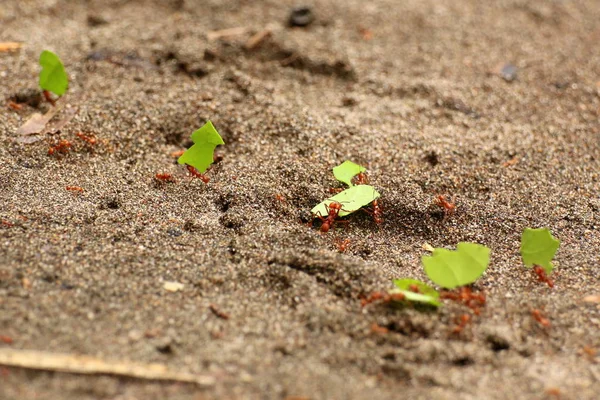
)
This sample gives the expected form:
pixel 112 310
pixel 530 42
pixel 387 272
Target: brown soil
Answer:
pixel 421 103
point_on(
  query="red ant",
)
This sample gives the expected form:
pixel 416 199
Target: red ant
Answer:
pixel 74 189
pixel 463 321
pixel 376 212
pixel 62 147
pixel 164 177
pixel 8 224
pixel 466 296
pixel 383 296
pixel 448 207
pixel 49 98
pixel 6 339
pixel 378 329
pixel 542 276
pixel 88 139
pixel 360 179
pixel 539 317
pixel 280 198
pixel 15 106
pixel 342 245
pixel 177 154
pixel 333 211
pixel 197 174
pixel 414 288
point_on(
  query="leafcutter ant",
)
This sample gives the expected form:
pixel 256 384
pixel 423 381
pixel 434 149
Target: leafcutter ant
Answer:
pixel 62 147
pixel 384 297
pixel 542 276
pixel 49 98
pixel 164 177
pixel 360 179
pixel 463 321
pixel 414 288
pixel 76 189
pixel 89 139
pixel 465 295
pixel 376 212
pixel 539 317
pixel 333 211
pixel 342 245
pixel 197 174
pixel 441 201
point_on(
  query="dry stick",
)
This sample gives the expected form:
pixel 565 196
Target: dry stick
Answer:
pixel 10 46
pixel 214 35
pixel 256 39
pixel 77 364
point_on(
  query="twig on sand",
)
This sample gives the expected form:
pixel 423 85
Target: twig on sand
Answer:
pixel 214 35
pixel 256 39
pixel 10 46
pixel 78 364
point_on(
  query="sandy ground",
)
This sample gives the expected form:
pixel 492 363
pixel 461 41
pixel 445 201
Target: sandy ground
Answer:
pixel 408 88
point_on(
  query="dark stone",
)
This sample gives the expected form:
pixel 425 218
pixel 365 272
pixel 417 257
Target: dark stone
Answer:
pixel 301 16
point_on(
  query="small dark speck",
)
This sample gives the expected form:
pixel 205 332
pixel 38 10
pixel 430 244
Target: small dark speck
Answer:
pixel 174 232
pixel 67 286
pixel 463 361
pixel 432 158
pixel 113 204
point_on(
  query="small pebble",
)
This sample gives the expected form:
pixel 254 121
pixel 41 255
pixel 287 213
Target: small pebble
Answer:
pixel 509 72
pixel 173 286
pixel 301 16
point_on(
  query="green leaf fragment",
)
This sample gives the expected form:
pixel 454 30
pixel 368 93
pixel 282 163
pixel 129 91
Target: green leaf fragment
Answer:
pixel 405 284
pixel 346 171
pixel 427 295
pixel 200 155
pixel 538 247
pixel 450 269
pixel 53 76
pixel 351 199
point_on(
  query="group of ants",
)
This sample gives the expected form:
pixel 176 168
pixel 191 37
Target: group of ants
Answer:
pixel 474 300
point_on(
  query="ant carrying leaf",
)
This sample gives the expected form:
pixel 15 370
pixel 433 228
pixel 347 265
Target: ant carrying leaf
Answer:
pixel 463 266
pixel 538 247
pixel 53 77
pixel 199 157
pixel 348 170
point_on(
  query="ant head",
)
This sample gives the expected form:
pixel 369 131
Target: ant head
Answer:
pixel 334 205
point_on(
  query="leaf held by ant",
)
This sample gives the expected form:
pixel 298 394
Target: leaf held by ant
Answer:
pixel 538 247
pixel 346 171
pixel 200 155
pixel 351 199
pixel 450 269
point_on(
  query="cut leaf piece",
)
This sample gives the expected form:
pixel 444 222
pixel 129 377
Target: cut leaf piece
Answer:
pixel 538 247
pixel 200 155
pixel 417 297
pixel 351 199
pixel 427 294
pixel 53 77
pixel 450 269
pixel 406 284
pixel 346 171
